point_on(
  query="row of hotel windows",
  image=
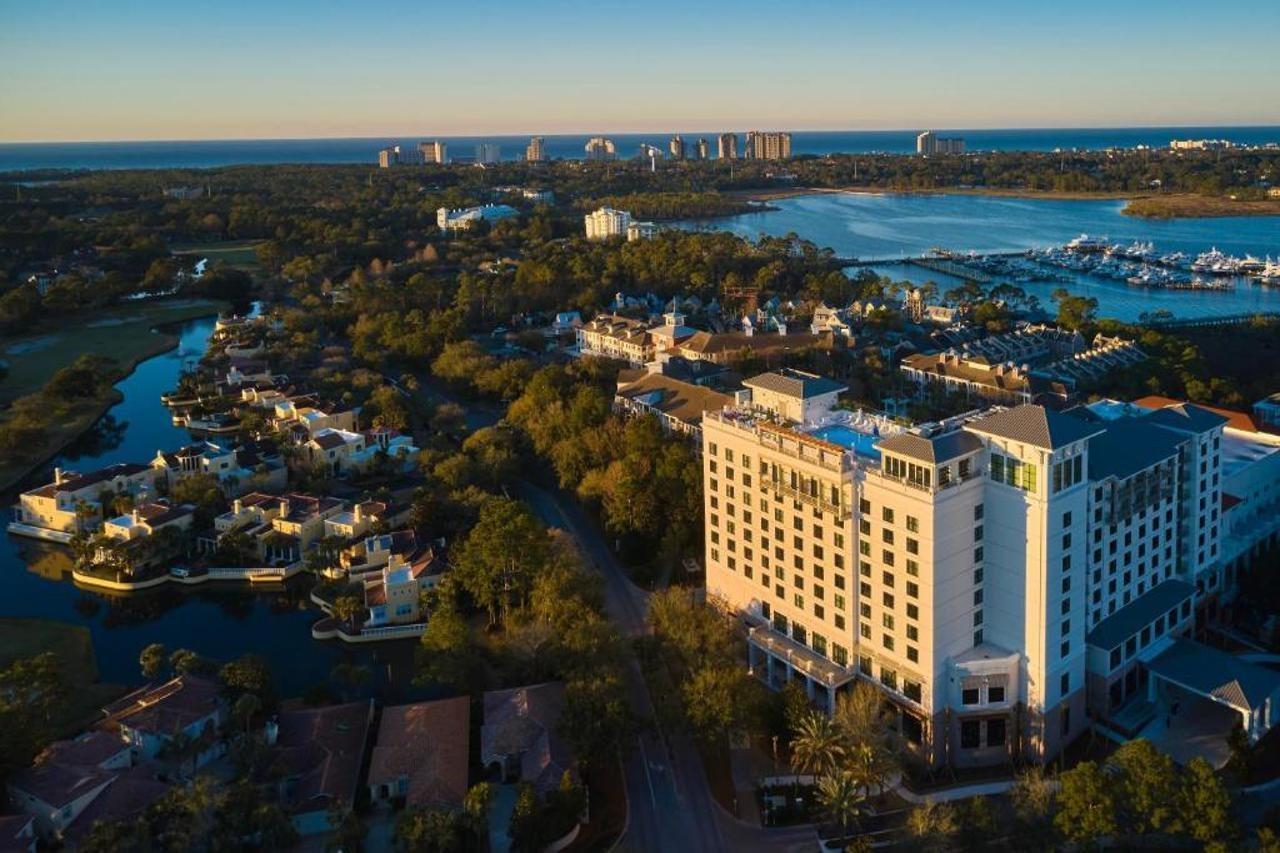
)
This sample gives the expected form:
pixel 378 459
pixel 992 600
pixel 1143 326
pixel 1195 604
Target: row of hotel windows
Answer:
pixel 1120 655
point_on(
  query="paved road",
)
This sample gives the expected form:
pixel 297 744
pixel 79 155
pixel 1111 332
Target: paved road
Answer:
pixel 670 805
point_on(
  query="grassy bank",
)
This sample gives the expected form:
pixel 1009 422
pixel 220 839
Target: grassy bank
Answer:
pixel 124 334
pixel 73 645
pixel 1191 206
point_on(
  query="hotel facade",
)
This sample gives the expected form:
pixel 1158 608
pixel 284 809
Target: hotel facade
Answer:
pixel 1002 577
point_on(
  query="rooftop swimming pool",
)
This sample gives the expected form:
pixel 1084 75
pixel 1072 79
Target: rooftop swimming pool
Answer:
pixel 860 443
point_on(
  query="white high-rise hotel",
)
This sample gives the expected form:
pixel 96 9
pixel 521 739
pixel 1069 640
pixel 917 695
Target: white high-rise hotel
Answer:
pixel 996 576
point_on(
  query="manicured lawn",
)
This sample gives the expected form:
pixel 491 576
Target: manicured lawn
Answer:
pixel 240 254
pixel 26 638
pixel 124 333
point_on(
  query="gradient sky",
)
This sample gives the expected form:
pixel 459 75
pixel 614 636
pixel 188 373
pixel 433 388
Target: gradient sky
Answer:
pixel 141 69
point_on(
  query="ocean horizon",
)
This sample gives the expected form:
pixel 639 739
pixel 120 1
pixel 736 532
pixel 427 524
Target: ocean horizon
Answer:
pixel 206 154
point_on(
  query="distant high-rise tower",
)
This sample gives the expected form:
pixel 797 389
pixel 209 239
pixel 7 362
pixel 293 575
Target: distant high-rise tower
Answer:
pixel 488 153
pixel 433 152
pixel 928 143
pixel 677 147
pixel 601 148
pixel 704 148
pixel 389 157
pixel 535 153
pixel 770 145
pixel 727 147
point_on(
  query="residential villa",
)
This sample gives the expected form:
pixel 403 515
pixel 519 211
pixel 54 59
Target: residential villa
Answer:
pixel 317 755
pixel 354 523
pixel 520 739
pixel 147 519
pixel 179 720
pixel 148 534
pixel 420 756
pixel 66 778
pixel 72 503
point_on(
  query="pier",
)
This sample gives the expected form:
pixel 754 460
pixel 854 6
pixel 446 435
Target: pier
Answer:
pixel 1226 320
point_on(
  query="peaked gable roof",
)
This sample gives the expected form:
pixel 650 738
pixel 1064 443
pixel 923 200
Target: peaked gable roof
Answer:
pixel 1035 425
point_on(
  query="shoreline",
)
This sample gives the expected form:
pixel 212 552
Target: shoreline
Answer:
pixel 74 430
pixel 1170 206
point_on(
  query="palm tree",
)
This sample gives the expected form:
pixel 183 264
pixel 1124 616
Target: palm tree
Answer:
pixel 842 796
pixel 818 746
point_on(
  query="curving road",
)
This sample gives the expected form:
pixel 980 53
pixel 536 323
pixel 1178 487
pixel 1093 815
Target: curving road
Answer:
pixel 669 803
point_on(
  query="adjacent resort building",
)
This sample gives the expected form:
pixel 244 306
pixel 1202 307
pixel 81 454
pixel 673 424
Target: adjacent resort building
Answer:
pixel 1006 577
pixel 606 223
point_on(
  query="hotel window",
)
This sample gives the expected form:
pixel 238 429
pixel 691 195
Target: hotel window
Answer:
pixel 977 618
pixel 1064 684
pixel 865 630
pixel 780 592
pixel 912 690
pixel 913 568
pixel 864 527
pixel 913 654
pixel 840 654
pixel 977 597
pixel 864 589
pixel 888 600
pixel 864 664
pixel 864 547
pixel 913 612
pixel 839 581
pixel 886 557
pixel 713 448
pixel 839 601
pixel 864 609
pixel 887 515
pixel 886 536
pixel 977 513
pixel 864 569
pixel 913 524
pixel 913 547
pixel 839 621
pixel 969 696
pixel 818 592
pixel 887 620
pixel 820 644
pixel 977 637
pixel 889 678
pixel 913 633
pixel 977 533
pixel 913 589
pixel 887 578
pixel 864 506
pixel 977 554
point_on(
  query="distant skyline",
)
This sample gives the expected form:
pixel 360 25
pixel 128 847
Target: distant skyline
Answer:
pixel 94 70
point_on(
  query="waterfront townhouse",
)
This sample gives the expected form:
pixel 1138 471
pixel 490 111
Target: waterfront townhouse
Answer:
pixel 1000 577
pixel 280 529
pixel 147 535
pixel 312 415
pixel 373 552
pixel 232 467
pixel 74 503
pixel 341 452
pixel 393 595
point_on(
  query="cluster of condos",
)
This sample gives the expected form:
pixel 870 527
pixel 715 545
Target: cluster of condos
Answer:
pixel 1007 577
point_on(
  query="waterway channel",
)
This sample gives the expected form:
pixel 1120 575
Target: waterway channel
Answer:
pixel 220 622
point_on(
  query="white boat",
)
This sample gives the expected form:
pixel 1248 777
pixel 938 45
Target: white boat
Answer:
pixel 1085 243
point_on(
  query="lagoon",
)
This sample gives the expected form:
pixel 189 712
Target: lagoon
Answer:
pixel 891 225
pixel 220 622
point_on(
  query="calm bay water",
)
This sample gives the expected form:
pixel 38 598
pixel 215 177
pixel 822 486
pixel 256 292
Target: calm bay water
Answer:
pixel 212 153
pixel 890 226
pixel 218 621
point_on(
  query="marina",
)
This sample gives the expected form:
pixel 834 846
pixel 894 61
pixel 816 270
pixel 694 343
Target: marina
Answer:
pixel 993 239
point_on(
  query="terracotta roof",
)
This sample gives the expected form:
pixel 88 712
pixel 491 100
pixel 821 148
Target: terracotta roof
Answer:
pixel 1235 420
pixel 88 750
pixel 522 722
pixel 59 785
pixel 1036 426
pixel 170 707
pixel 322 750
pixel 427 743
pixel 128 796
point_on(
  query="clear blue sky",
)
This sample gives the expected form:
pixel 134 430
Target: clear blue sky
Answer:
pixel 139 69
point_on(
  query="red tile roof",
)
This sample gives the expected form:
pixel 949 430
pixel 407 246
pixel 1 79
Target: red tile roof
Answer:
pixel 427 743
